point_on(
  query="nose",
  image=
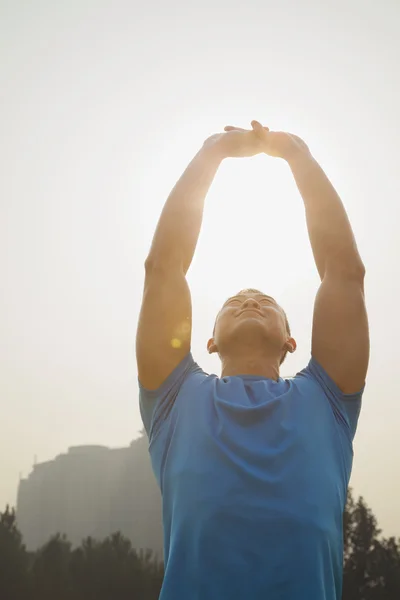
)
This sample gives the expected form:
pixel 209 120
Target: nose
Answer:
pixel 251 303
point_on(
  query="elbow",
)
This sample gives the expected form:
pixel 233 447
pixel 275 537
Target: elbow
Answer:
pixel 355 269
pixel 160 264
pixel 149 264
pixel 346 268
pixel 152 264
pixel 362 270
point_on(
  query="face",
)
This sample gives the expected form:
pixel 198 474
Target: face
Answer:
pixel 251 319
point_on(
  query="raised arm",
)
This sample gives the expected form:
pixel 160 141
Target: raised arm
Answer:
pixel 340 337
pixel 165 322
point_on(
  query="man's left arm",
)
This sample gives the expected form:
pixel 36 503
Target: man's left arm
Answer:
pixel 340 337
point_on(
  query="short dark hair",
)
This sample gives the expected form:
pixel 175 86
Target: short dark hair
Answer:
pixel 259 293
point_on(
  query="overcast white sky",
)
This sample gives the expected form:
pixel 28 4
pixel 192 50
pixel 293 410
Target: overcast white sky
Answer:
pixel 102 105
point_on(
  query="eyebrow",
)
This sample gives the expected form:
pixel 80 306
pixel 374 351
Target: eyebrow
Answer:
pixel 255 295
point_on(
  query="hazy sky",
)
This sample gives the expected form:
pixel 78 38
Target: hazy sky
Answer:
pixel 102 104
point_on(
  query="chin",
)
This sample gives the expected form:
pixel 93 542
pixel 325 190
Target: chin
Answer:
pixel 248 328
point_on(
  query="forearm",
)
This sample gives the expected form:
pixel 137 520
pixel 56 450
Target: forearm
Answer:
pixel 329 229
pixel 179 225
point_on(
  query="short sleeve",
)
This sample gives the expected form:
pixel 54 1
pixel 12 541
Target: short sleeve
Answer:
pixel 346 407
pixel 155 405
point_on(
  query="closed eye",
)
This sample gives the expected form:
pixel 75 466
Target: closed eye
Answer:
pixel 234 303
pixel 262 301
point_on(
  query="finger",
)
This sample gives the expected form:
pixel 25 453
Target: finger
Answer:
pixel 232 128
pixel 256 125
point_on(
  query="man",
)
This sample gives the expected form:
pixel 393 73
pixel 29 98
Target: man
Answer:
pixel 253 469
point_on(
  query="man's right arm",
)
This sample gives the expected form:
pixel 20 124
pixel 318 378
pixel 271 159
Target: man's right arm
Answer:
pixel 165 322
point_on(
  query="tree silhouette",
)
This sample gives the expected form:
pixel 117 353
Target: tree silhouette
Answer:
pixel 50 570
pixel 113 569
pixel 371 565
pixel 13 559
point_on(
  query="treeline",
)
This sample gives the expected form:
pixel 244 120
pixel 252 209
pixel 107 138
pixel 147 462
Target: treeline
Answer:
pixel 97 570
pixel 371 569
pixel 112 570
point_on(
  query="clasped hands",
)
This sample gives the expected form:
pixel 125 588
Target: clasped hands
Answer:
pixel 236 142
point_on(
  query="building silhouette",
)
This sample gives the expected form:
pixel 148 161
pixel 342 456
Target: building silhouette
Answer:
pixel 92 491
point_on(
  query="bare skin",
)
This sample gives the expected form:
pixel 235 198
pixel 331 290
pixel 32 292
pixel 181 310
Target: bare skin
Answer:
pixel 253 327
pixel 254 342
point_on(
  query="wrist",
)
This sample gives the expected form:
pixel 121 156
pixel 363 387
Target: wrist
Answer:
pixel 300 157
pixel 213 151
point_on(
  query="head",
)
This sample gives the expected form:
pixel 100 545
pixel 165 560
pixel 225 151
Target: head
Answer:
pixel 252 323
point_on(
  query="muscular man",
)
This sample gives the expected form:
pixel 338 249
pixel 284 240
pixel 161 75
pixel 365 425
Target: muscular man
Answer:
pixel 253 468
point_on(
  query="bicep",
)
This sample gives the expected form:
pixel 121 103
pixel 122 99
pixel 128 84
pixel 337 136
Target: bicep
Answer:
pixel 165 324
pixel 340 338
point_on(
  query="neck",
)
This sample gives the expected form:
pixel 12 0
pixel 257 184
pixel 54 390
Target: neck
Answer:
pixel 260 365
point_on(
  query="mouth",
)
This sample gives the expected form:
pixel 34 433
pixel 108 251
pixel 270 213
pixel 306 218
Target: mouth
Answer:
pixel 250 310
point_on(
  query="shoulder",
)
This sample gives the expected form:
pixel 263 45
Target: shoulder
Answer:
pixel 156 405
pixel 346 407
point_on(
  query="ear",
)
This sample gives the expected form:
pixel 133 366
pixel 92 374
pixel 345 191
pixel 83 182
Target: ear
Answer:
pixel 211 346
pixel 291 345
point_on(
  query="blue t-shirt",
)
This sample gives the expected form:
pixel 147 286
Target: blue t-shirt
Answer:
pixel 253 474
